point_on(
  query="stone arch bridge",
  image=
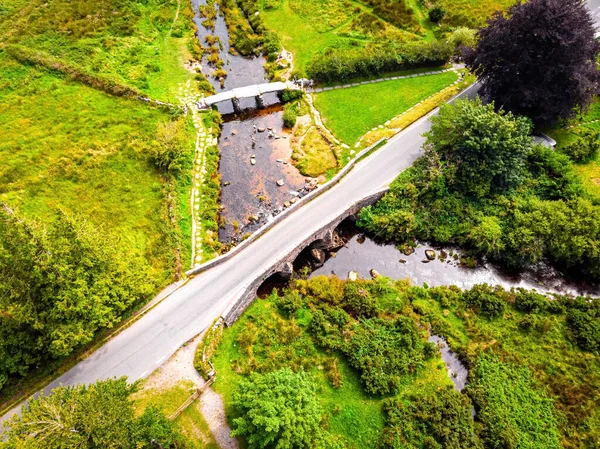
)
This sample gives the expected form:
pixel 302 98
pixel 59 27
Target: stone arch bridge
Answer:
pixel 323 238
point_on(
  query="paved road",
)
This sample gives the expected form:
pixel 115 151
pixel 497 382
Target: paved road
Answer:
pixel 143 347
pixel 594 6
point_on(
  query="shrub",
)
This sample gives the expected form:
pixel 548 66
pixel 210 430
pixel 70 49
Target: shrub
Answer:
pixel 530 301
pixel 487 300
pixel 278 409
pixel 584 148
pixel 583 321
pixel 337 65
pixel 436 14
pixel 433 420
pixel 290 115
pixel 514 411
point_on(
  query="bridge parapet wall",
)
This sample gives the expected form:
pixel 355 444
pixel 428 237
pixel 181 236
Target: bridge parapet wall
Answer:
pixel 248 293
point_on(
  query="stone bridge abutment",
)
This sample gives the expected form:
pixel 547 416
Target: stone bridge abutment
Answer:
pixel 323 238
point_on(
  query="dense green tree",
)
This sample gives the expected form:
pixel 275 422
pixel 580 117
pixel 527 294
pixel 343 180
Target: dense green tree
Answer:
pixel 436 14
pixel 584 148
pixel 99 416
pixel 58 287
pixel 484 151
pixel 171 151
pixel 440 420
pixel 583 320
pixel 539 59
pixel 462 37
pixel 515 412
pixel 278 410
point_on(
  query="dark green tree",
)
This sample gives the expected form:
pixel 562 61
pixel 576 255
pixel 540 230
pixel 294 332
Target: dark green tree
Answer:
pixel 484 151
pixel 98 416
pixel 278 410
pixel 436 14
pixel 58 287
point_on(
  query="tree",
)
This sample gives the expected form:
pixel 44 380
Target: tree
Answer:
pixel 539 59
pixel 98 416
pixel 58 286
pixel 462 37
pixel 484 151
pixel 436 14
pixel 278 410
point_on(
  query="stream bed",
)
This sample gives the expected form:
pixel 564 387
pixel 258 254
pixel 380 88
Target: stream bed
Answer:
pixel 258 178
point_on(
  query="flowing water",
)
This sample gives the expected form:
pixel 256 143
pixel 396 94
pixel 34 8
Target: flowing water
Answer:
pixel 457 372
pixel 250 195
pixel 362 254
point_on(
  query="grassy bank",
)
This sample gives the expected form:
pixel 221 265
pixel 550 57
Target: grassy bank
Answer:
pixel 523 342
pixel 350 113
pixel 308 27
pixel 77 140
pixel 589 171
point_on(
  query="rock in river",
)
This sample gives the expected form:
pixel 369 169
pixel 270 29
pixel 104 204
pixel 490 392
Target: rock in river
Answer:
pixel 374 273
pixel 352 276
pixel 318 255
pixel 261 130
pixel 430 254
pixel 280 182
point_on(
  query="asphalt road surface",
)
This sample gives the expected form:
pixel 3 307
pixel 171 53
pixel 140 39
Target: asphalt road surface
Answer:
pixel 594 6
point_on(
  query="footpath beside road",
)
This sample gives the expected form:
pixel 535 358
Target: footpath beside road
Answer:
pixel 147 343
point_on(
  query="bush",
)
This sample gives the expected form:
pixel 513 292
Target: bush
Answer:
pixel 290 115
pixel 487 300
pixel 514 412
pixel 436 14
pixel 337 65
pixel 433 420
pixel 584 148
pixel 278 409
pixel 530 301
pixel 583 321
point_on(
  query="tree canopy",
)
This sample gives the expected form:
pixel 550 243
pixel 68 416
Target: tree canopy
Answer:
pixel 484 151
pixel 59 286
pixel 539 59
pixel 278 410
pixel 98 416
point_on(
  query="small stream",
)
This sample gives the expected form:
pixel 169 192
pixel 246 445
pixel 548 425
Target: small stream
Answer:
pixel 457 372
pixel 250 195
pixel 362 254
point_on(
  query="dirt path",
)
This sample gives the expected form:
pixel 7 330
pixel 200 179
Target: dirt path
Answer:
pixel 213 409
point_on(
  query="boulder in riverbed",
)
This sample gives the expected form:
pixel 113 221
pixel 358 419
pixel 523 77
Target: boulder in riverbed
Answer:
pixel 260 130
pixel 352 276
pixel 318 255
pixel 280 182
pixel 374 273
pixel 430 254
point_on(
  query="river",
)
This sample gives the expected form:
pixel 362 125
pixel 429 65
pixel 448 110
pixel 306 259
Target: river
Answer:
pixel 362 253
pixel 252 162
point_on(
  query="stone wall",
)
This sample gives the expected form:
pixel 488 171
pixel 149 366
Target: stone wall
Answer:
pixel 239 304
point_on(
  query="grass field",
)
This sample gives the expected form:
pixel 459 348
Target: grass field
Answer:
pixel 267 337
pixel 471 13
pixel 350 113
pixel 72 146
pixel 590 171
pixel 307 27
pixel 138 44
